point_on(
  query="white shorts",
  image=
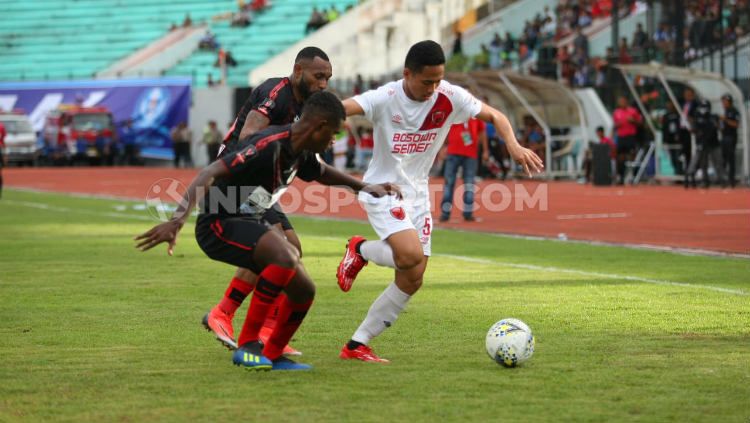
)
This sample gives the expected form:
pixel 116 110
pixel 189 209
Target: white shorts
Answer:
pixel 388 215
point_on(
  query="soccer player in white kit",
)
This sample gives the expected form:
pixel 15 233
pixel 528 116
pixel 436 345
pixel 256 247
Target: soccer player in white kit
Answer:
pixel 411 118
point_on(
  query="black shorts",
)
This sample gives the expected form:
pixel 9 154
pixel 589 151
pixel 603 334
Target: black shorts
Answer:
pixel 275 216
pixel 626 145
pixel 231 239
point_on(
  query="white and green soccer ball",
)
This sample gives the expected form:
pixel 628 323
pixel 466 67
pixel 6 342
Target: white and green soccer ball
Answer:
pixel 510 342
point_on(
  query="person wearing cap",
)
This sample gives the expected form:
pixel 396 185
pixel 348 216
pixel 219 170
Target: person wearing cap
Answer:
pixel 728 124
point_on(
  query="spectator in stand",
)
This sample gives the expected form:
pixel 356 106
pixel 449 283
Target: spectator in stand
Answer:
pixel 624 57
pixel 585 19
pixel 242 19
pixel 258 5
pixel 482 59
pixel 212 138
pixel 182 139
pixel 463 149
pixel 210 80
pixel 359 85
pixel 494 51
pixel 729 122
pixel 640 42
pixel 533 137
pixel 589 155
pixel 187 22
pixel 315 21
pixel 333 13
pixel 663 38
pixel 581 44
pixel 230 59
pixel 457 45
pixel 626 119
pixel 670 136
pixel 173 27
pixel 508 47
pixel 208 42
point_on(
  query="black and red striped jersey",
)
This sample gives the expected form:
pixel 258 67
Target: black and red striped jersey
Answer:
pixel 260 169
pixel 274 99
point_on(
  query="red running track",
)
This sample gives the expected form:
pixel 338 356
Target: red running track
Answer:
pixel 714 219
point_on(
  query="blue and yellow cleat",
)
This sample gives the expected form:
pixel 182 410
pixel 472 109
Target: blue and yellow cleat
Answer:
pixel 250 356
pixel 283 363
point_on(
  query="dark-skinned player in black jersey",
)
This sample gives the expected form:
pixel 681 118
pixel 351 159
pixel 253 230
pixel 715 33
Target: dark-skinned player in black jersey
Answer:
pixel 263 165
pixel 277 101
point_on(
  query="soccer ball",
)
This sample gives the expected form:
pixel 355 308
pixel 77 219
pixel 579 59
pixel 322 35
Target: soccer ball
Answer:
pixel 509 342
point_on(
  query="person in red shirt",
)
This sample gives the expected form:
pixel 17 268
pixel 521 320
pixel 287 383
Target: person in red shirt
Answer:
pixel 626 119
pixel 3 159
pixel 463 149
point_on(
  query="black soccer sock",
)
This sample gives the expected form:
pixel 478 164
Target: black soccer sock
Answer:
pixel 352 344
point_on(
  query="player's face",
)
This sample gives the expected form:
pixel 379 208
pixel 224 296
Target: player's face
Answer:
pixel 420 86
pixel 325 135
pixel 312 76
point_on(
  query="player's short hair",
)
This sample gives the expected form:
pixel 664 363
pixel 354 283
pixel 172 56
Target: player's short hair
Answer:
pixel 599 128
pixel 324 104
pixel 424 53
pixel 310 53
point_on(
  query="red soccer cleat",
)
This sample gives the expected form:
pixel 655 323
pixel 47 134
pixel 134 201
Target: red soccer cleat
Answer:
pixel 220 324
pixel 265 333
pixel 351 264
pixel 363 353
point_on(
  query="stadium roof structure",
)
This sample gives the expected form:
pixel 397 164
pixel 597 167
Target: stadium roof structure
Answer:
pixel 707 85
pixel 553 105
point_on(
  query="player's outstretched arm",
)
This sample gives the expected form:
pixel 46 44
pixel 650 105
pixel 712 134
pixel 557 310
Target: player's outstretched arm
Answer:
pixel 167 231
pixel 523 156
pixel 352 107
pixel 332 176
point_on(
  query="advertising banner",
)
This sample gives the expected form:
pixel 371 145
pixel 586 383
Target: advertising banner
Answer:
pixel 155 106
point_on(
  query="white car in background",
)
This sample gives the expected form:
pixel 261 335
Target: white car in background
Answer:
pixel 20 139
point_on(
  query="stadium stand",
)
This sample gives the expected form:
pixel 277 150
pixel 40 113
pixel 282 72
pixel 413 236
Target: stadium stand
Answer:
pixel 62 39
pixel 270 32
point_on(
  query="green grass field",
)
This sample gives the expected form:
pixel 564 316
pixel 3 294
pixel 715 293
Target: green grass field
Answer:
pixel 97 331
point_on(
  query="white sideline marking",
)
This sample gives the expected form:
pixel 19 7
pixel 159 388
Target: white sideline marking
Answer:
pixel 726 212
pixel 595 274
pixel 45 206
pixel 592 216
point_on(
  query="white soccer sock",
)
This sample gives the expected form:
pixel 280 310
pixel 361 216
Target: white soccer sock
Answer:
pixel 378 252
pixel 382 314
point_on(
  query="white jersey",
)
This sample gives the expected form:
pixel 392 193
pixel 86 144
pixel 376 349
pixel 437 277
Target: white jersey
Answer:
pixel 408 134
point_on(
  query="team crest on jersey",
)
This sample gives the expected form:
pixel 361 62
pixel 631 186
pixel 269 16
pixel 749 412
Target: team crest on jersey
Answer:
pixel 391 91
pixel 267 105
pixel 437 117
pixel 398 213
pixel 397 119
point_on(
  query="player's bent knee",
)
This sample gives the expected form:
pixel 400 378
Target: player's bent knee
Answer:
pixel 287 258
pixel 408 259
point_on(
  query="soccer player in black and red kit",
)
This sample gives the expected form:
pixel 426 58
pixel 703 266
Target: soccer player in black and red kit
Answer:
pixel 251 175
pixel 277 101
